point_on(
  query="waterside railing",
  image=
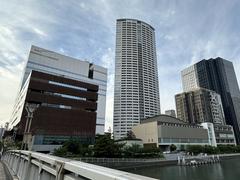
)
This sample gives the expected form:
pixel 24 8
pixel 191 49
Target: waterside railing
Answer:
pixel 27 165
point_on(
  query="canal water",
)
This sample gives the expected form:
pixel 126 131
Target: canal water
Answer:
pixel 225 170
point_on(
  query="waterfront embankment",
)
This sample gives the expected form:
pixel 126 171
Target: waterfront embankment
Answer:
pixel 126 163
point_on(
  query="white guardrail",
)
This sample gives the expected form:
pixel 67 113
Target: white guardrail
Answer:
pixel 28 165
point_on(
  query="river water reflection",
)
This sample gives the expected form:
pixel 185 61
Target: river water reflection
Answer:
pixel 226 169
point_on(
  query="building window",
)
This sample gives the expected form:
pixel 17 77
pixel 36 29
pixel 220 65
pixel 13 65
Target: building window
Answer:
pixel 90 72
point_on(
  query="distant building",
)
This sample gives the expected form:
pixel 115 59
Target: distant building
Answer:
pixel 200 105
pixel 220 134
pixel 53 63
pixel 170 112
pixel 224 134
pixel 211 133
pixel 217 75
pixel 136 91
pixel 162 131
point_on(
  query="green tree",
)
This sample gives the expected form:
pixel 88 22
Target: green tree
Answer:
pixel 210 149
pixel 9 144
pixel 182 148
pixel 62 152
pixel 172 147
pixel 136 151
pixel 227 148
pixel 130 135
pixel 132 151
pixel 195 149
pixel 105 146
pixel 73 147
pixel 238 149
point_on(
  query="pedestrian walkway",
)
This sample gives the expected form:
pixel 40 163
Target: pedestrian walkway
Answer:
pixel 3 174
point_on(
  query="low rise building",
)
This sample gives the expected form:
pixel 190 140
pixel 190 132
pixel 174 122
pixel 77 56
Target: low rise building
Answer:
pixel 163 130
pixel 200 105
pixel 224 134
pixel 170 112
pixel 220 134
pixel 211 133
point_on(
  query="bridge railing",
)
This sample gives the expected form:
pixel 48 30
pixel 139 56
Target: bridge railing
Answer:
pixel 113 160
pixel 27 165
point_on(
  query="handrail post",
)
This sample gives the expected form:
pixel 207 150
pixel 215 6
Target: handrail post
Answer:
pixel 27 169
pixel 59 170
pixel 40 170
pixel 18 164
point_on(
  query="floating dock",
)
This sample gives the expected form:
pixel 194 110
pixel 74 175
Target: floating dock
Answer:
pixel 197 161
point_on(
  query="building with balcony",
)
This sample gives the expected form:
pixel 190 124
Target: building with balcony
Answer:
pixel 136 91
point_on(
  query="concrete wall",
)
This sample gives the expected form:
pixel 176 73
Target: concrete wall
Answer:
pixel 182 132
pixel 148 132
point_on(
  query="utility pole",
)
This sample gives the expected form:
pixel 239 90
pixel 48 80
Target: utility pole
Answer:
pixel 14 133
pixel 27 136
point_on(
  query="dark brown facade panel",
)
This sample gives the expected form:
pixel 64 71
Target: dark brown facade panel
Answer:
pixel 53 121
pixel 76 118
pixel 63 90
pixel 51 99
pixel 64 80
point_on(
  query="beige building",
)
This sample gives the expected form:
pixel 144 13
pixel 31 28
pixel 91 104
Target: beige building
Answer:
pixel 164 130
pixel 199 106
pixel 170 112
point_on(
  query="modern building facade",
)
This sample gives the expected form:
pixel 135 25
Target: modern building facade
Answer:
pixel 200 105
pixel 65 108
pixel 136 91
pixel 211 133
pixel 224 134
pixel 162 131
pixel 219 134
pixel 170 112
pixel 217 75
pixel 60 65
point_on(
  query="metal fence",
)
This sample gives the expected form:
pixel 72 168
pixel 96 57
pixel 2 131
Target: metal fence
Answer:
pixel 27 165
pixel 117 160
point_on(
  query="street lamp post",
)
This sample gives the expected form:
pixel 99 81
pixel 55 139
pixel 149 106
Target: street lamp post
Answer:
pixel 27 136
pixel 14 133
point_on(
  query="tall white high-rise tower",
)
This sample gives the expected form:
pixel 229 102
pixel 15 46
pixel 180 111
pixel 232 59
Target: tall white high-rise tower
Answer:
pixel 136 93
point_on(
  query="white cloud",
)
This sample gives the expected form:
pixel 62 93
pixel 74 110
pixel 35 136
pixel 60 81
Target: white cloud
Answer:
pixel 39 32
pixel 107 61
pixel 86 29
pixel 9 80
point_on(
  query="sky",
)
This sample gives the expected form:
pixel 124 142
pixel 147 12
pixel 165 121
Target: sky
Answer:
pixel 186 31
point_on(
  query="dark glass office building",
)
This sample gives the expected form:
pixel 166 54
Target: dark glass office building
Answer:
pixel 217 75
